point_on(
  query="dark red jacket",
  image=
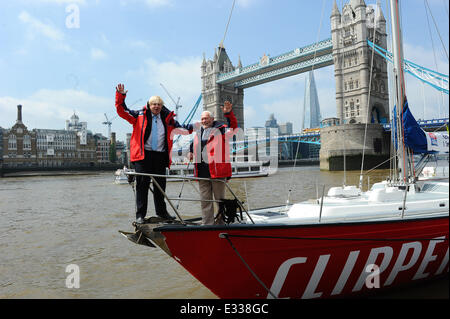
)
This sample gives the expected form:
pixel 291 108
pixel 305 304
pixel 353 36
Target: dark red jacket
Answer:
pixel 142 128
pixel 217 147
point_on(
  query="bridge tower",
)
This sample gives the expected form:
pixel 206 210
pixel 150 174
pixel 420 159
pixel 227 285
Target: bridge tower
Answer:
pixel 214 94
pixel 343 146
pixel 352 59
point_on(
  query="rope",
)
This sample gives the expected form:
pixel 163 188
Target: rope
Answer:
pixel 373 168
pixel 334 238
pixel 222 235
pixel 134 192
pixel 227 237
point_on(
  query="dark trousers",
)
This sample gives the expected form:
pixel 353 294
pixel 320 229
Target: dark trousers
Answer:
pixel 153 163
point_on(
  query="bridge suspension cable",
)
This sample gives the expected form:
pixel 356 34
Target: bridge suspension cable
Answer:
pixel 189 117
pixel 435 79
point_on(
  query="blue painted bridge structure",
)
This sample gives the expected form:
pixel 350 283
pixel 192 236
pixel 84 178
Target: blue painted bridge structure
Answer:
pixel 314 56
pixel 289 143
pixel 268 69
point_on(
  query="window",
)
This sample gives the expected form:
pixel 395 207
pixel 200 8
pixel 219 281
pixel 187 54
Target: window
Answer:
pixel 12 142
pixel 27 142
pixel 346 30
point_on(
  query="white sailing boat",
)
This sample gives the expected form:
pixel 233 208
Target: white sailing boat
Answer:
pixel 397 232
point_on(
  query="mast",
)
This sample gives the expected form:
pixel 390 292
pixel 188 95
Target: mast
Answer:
pixel 399 81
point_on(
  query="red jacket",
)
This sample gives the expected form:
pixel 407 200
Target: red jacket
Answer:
pixel 217 147
pixel 140 126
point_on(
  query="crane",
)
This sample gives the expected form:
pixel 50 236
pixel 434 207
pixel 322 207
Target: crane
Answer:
pixel 109 122
pixel 177 106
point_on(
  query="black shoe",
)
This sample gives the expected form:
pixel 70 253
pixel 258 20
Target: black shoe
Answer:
pixel 140 220
pixel 165 215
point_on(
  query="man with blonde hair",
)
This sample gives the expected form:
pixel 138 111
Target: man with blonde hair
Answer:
pixel 150 149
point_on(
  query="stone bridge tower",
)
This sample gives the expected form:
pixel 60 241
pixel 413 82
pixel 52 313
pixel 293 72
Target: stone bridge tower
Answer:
pixel 214 95
pixel 352 62
pixel 352 59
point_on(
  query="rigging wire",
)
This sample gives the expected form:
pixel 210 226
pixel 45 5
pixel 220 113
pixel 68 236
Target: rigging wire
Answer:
pixel 225 34
pixel 437 30
pixel 392 151
pixel 312 70
pixel 425 3
pixel 368 96
pixel 445 6
pixel 342 63
pixel 432 45
pixel 228 23
pixel 406 155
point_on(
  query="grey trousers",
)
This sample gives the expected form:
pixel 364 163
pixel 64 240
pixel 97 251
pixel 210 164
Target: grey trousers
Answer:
pixel 207 190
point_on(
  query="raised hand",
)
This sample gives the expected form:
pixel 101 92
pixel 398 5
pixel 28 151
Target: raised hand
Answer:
pixel 121 89
pixel 227 107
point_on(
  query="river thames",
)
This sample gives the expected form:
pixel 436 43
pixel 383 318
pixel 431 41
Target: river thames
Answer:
pixel 50 222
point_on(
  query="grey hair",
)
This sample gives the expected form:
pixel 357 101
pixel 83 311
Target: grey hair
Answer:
pixel 208 112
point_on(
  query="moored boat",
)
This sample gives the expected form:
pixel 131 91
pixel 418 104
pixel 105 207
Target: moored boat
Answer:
pixel 239 170
pixel 339 245
pixel 346 242
pixel 120 175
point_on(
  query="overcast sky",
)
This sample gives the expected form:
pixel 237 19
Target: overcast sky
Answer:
pixel 58 57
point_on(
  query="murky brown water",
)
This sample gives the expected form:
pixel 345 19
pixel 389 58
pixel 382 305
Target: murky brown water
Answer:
pixel 47 223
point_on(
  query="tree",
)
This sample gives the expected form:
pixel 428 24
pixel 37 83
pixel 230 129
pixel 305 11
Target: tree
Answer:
pixel 112 153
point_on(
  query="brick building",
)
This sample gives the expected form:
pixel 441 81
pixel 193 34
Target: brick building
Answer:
pixel 74 147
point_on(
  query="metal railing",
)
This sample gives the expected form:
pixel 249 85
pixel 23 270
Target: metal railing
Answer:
pixel 169 200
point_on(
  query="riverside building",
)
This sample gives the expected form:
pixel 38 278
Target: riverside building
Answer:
pixel 75 147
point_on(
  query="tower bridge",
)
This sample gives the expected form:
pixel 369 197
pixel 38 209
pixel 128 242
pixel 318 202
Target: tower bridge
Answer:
pixel 362 94
pixel 347 50
pixel 299 60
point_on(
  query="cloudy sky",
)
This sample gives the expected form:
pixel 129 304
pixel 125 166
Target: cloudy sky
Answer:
pixel 58 57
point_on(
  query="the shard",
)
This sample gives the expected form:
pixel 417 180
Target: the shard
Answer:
pixel 311 107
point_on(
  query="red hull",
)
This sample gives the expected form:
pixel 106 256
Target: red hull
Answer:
pixel 311 261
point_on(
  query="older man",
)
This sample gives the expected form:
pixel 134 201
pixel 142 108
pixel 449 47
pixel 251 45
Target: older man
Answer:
pixel 210 148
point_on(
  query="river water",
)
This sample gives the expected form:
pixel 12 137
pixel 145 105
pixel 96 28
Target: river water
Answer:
pixel 50 222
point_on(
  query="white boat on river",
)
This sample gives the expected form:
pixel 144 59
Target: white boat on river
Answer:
pixel 239 170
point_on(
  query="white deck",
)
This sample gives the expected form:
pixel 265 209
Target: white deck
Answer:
pixel 425 199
